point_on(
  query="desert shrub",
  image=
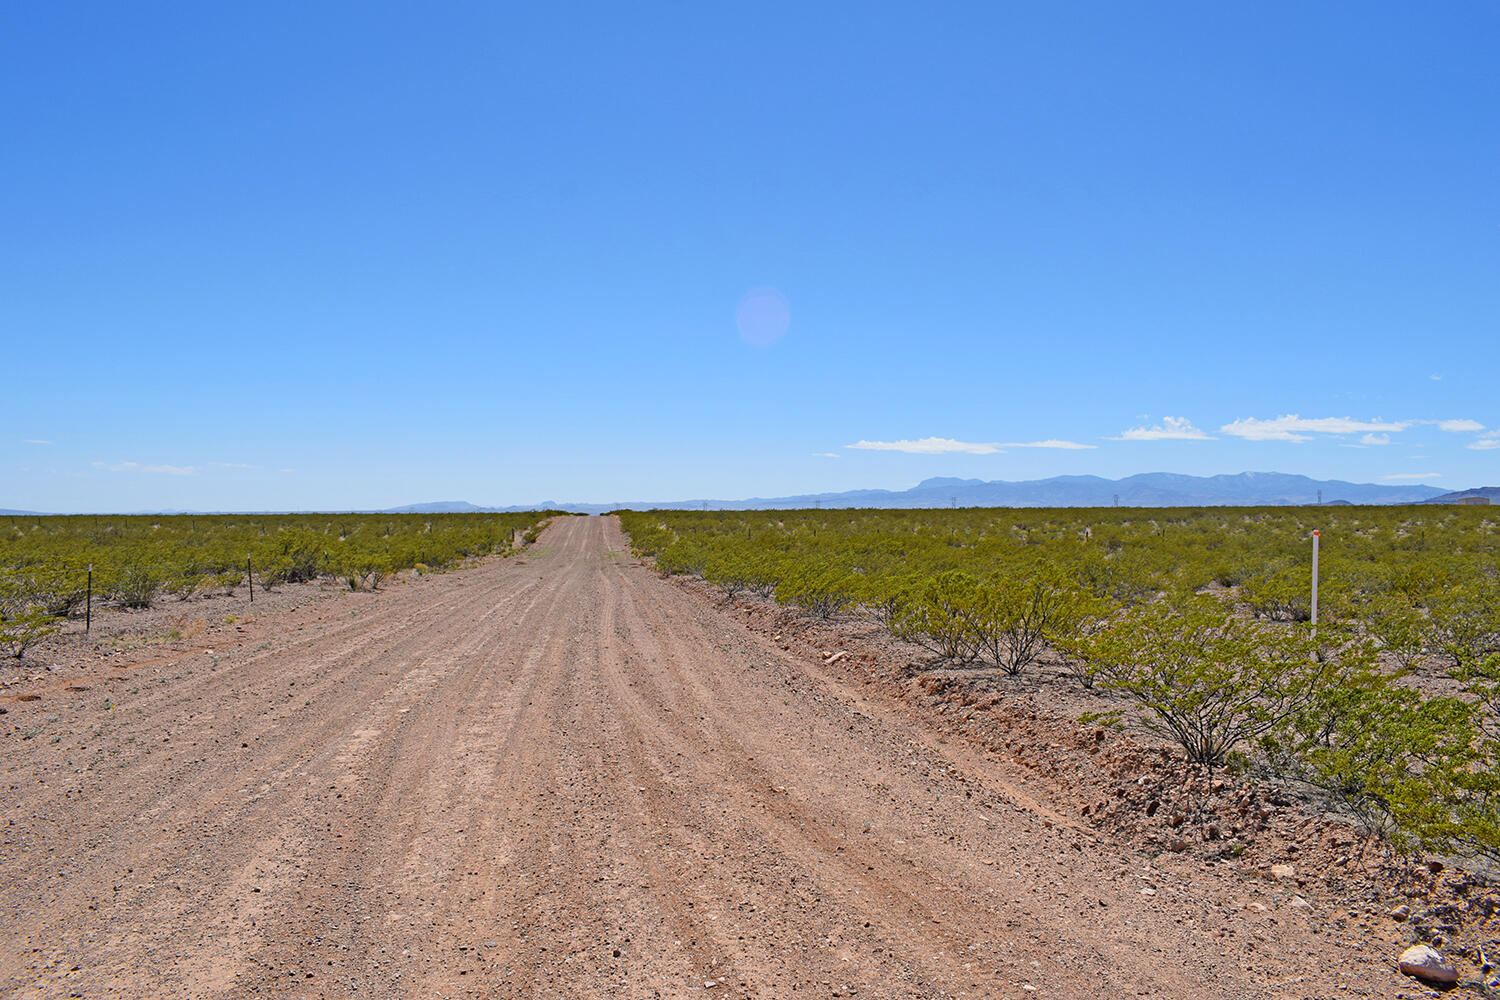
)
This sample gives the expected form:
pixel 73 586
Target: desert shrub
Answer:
pixel 937 616
pixel 1398 628
pixel 1280 595
pixel 821 590
pixel 885 598
pixel 184 584
pixel 1012 614
pixel 682 558
pixel 1127 576
pixel 59 592
pixel 20 630
pixel 1466 622
pixel 1228 572
pixel 1207 679
pixel 376 570
pixel 299 558
pixel 1386 754
pixel 763 574
pixel 137 586
pixel 728 570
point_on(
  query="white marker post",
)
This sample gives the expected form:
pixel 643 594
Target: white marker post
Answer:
pixel 1315 585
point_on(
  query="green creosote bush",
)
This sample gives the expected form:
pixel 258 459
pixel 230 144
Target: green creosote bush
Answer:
pixel 884 599
pixel 1015 614
pixel 1209 680
pixel 20 630
pixel 936 618
pixel 1466 622
pixel 1400 629
pixel 821 590
pixel 731 571
pixel 1389 756
pixel 137 586
pixel 1279 595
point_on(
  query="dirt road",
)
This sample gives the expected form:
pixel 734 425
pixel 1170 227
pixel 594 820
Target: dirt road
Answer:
pixel 561 776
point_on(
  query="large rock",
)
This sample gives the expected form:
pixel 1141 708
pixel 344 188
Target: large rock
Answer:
pixel 1427 965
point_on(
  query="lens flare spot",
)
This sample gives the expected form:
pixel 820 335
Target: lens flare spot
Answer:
pixel 763 316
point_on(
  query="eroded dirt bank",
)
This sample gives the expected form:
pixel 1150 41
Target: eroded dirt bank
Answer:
pixel 561 776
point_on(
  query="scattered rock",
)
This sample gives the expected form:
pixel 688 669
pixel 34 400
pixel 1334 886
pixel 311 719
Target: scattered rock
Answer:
pixel 1400 913
pixel 1435 866
pixel 1283 873
pixel 1298 903
pixel 1427 965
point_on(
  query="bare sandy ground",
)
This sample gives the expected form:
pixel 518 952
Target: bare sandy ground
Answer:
pixel 560 776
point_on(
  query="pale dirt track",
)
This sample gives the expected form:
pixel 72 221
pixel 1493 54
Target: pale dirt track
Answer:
pixel 565 777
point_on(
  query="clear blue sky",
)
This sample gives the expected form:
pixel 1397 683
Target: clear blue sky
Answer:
pixel 302 255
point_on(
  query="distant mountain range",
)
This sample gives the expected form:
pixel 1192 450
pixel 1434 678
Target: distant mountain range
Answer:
pixel 1490 493
pixel 1151 489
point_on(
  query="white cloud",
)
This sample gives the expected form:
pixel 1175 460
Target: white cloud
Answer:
pixel 1460 426
pixel 825 454
pixel 947 446
pixel 928 446
pixel 1375 439
pixel 1485 444
pixel 165 470
pixel 1050 443
pixel 1436 378
pixel 1291 427
pixel 35 441
pixel 1170 429
pixel 1414 475
pixel 232 465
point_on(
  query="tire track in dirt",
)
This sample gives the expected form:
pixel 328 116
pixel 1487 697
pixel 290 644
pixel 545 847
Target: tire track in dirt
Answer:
pixel 926 916
pixel 212 810
pixel 565 777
